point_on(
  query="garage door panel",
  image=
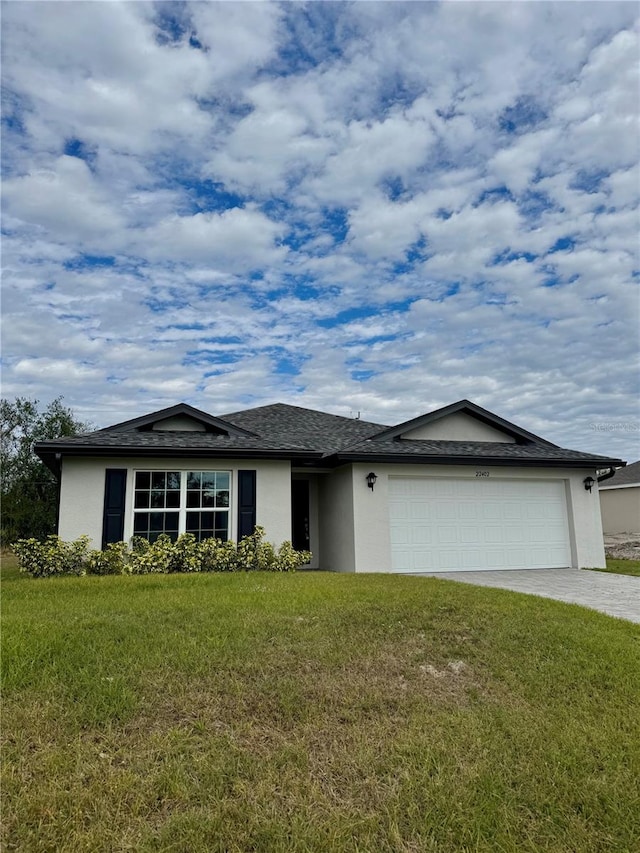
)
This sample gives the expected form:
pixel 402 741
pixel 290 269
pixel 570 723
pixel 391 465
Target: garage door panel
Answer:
pixel 399 510
pixel 424 559
pixel 400 559
pixel 446 511
pixel 512 511
pixel 422 535
pixel 493 535
pixel 558 554
pixel 468 511
pixel 444 524
pixel 537 511
pixel 554 533
pixel 442 488
pixel 539 555
pixel 422 510
pixel 469 559
pixel 469 535
pixel 490 512
pixel 449 558
pixel 495 556
pixel 517 557
pixel 515 535
pixel 400 535
pixel 446 534
pixel 487 488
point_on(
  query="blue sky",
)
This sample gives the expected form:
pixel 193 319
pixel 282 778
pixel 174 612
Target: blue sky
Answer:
pixel 365 207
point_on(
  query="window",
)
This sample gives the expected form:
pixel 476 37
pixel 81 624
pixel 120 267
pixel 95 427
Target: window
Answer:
pixel 208 504
pixel 175 502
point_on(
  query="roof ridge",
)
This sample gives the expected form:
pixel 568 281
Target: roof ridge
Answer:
pixel 299 409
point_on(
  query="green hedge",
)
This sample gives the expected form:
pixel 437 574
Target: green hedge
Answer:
pixel 56 557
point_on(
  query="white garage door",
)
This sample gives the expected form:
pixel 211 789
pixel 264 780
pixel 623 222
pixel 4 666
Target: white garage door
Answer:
pixel 445 525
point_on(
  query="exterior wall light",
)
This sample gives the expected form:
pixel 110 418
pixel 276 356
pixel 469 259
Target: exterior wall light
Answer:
pixel 371 479
pixel 588 483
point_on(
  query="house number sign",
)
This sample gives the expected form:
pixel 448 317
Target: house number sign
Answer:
pixel 482 473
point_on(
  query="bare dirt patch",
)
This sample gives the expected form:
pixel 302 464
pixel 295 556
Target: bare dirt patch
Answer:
pixel 622 546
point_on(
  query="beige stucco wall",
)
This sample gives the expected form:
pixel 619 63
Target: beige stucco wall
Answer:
pixel 372 547
pixel 336 504
pixel 459 427
pixel 82 493
pixel 349 523
pixel 621 510
pixel 82 499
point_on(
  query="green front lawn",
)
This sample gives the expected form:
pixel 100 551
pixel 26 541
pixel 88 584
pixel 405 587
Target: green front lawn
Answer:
pixel 621 567
pixel 314 712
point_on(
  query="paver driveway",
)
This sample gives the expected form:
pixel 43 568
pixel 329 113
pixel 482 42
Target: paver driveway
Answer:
pixel 617 595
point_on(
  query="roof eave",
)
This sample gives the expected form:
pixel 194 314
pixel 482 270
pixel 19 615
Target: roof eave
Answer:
pixel 498 461
pixel 635 485
pixel 54 452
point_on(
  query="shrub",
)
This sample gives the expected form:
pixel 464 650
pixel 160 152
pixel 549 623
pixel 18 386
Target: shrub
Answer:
pixel 252 553
pixel 217 556
pixel 288 559
pixel 139 545
pixel 155 559
pixel 53 556
pixel 114 560
pixel 184 555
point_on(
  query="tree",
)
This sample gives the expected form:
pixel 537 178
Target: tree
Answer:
pixel 29 489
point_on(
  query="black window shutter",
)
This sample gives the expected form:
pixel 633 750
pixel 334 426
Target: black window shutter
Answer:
pixel 115 487
pixel 246 503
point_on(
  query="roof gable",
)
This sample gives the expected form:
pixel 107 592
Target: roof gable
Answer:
pixel 179 418
pixel 457 419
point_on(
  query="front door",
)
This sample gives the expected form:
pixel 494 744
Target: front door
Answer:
pixel 300 514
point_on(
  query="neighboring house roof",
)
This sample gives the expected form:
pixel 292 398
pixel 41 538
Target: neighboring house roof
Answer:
pixel 280 431
pixel 627 476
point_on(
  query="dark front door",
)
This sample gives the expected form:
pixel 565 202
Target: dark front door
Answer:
pixel 300 514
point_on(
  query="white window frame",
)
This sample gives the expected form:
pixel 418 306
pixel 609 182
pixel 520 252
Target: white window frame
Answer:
pixel 182 509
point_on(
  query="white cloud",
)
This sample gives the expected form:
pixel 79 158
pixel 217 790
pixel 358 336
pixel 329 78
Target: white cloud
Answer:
pixel 238 239
pixel 95 71
pixel 373 152
pixel 517 165
pixel 286 145
pixel 66 201
pixel 241 37
pixel 55 370
pixel 320 187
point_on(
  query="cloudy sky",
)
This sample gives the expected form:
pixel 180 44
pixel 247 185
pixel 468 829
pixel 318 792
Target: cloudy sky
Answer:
pixel 363 207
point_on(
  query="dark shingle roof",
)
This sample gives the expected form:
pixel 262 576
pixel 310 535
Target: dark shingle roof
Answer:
pixel 276 431
pixel 290 432
pixel 324 432
pixel 437 450
pixel 177 440
pixel 628 476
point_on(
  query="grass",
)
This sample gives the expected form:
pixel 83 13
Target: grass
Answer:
pixel 621 567
pixel 314 712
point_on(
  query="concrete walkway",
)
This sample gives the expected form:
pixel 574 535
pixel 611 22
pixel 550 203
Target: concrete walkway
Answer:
pixel 617 595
